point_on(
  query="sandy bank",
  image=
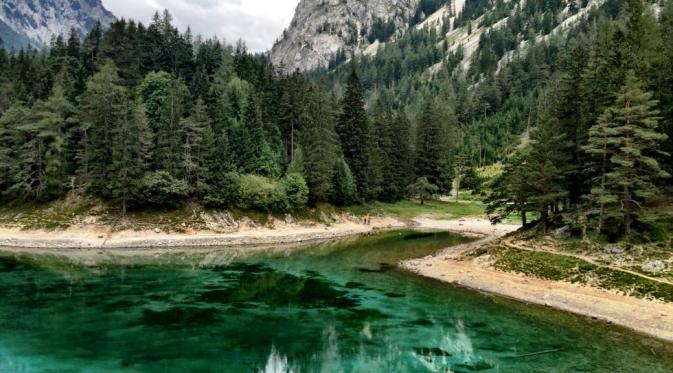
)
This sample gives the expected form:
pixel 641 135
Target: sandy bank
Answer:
pixel 100 237
pixel 649 317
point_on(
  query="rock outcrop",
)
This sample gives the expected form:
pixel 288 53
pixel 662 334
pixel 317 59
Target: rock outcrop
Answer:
pixel 36 21
pixel 323 30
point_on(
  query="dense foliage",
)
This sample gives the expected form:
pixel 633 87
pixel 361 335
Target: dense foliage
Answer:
pixel 147 116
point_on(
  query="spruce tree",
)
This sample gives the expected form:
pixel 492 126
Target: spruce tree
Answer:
pixel 602 146
pixel 126 163
pixel 320 145
pixel 10 145
pixel 344 192
pixel 169 131
pixel 547 167
pixel 432 147
pixel 353 130
pixel 102 106
pixel 256 156
pixel 198 146
pixel 635 169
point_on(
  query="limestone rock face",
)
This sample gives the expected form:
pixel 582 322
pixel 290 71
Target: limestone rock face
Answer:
pixel 36 21
pixel 322 28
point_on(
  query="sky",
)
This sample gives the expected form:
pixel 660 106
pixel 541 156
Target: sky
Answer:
pixel 257 22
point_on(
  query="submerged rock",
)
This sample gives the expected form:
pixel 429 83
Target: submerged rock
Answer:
pixel 432 351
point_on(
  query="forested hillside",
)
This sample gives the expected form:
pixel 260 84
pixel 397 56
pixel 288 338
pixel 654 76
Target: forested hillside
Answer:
pixel 588 85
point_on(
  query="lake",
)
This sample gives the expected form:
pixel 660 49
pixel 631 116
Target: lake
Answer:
pixel 331 307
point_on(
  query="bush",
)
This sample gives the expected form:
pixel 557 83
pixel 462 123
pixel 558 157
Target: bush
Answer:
pixel 262 193
pixel 296 190
pixel 224 191
pixel 163 190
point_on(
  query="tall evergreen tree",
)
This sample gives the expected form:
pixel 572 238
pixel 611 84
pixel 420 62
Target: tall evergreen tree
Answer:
pixel 198 147
pixel 353 130
pixel 547 167
pixel 432 148
pixel 102 106
pixel 635 170
pixel 256 156
pixel 602 147
pixel 169 131
pixel 126 162
pixel 319 144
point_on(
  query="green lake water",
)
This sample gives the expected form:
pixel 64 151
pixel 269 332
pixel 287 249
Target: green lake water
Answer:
pixel 340 307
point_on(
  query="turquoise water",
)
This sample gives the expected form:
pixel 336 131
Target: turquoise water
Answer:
pixel 330 308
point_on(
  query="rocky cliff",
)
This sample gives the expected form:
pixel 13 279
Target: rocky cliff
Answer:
pixel 36 21
pixel 325 30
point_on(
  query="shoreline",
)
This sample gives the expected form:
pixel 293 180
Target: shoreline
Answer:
pixel 648 317
pixel 102 238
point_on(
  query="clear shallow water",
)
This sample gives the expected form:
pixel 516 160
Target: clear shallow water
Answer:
pixel 330 308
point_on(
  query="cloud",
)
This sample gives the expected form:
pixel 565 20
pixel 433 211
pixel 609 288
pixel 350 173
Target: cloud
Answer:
pixel 257 22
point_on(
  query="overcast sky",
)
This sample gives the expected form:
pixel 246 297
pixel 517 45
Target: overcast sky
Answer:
pixel 258 22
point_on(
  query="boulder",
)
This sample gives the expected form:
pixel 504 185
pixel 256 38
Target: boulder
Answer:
pixel 562 233
pixel 613 248
pixel 654 266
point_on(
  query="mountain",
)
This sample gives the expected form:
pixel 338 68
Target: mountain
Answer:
pixel 322 29
pixel 326 33
pixel 24 22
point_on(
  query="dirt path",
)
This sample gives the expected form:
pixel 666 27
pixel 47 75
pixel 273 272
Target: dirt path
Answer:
pixel 649 317
pixel 587 259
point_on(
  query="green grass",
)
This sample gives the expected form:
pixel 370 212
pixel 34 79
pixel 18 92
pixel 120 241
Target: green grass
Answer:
pixel 554 267
pixel 49 216
pixel 413 209
pixel 59 215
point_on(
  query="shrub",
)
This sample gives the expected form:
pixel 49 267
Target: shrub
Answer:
pixel 262 193
pixel 163 190
pixel 223 191
pixel 296 190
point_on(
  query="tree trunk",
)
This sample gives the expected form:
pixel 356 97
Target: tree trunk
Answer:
pixel 544 214
pixel 523 218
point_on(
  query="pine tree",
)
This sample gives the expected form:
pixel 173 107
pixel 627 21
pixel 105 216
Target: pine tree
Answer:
pixel 635 170
pixel 353 130
pixel 423 189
